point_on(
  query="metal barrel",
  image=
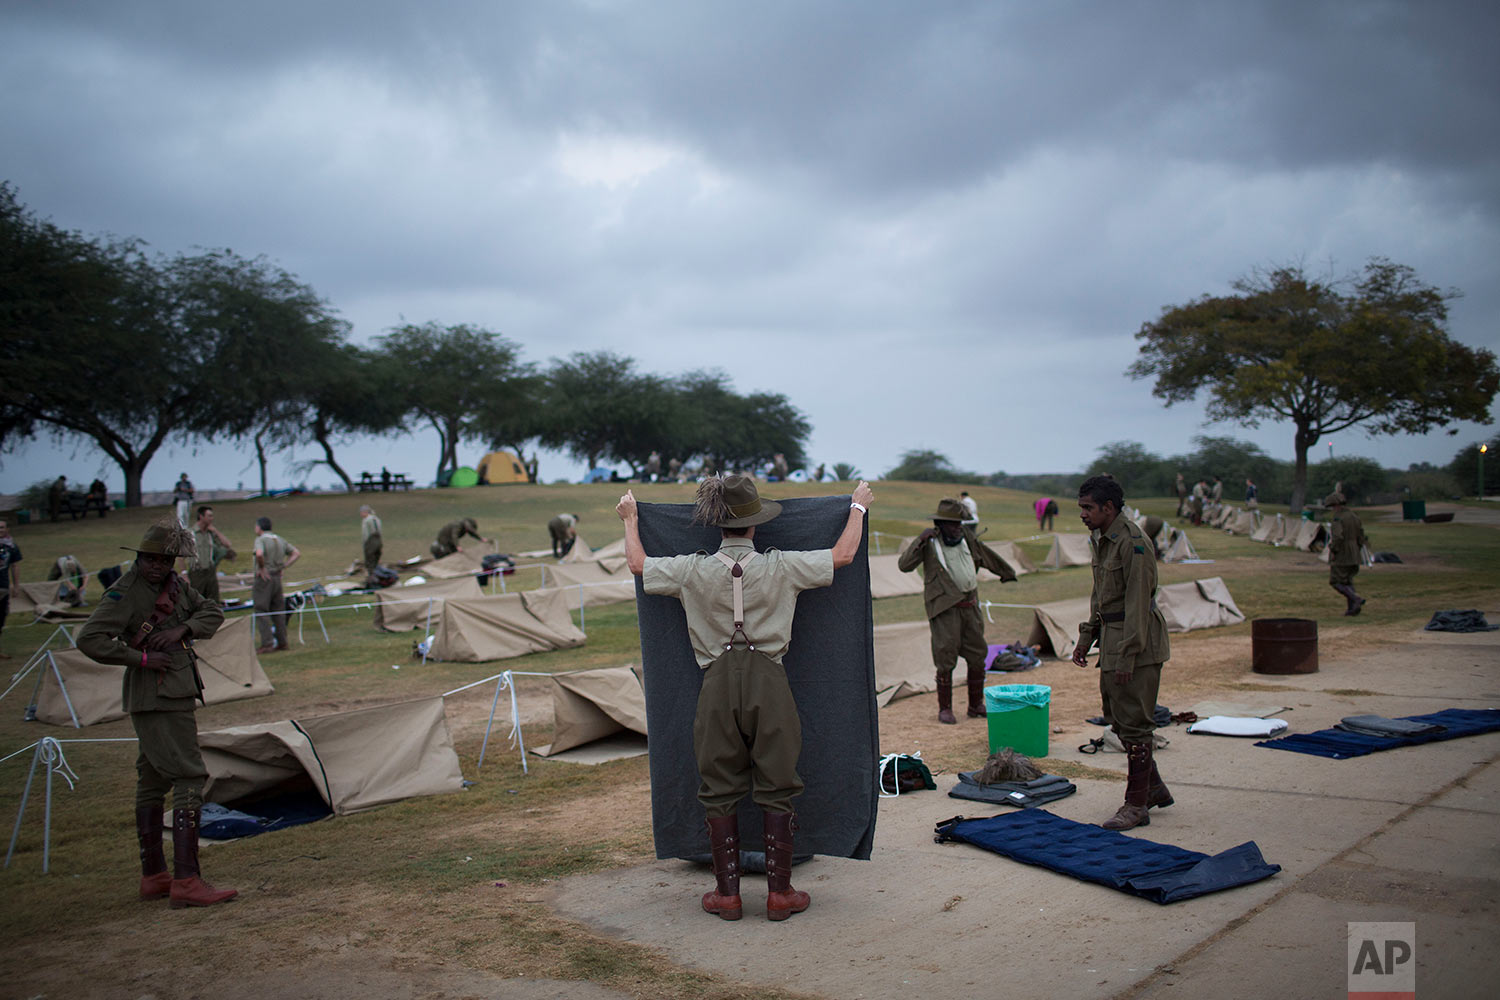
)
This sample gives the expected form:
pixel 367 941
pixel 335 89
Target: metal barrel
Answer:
pixel 1284 646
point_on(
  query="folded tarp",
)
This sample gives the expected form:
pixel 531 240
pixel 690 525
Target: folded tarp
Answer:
pixel 1197 604
pixel 1054 626
pixel 354 760
pixel 590 584
pixel 1068 550
pixel 589 705
pixel 401 609
pixel 1231 725
pixel 1161 873
pixel 888 581
pixel 1021 794
pixel 37 597
pixel 1459 621
pixel 1341 745
pixel 505 625
pixel 1379 725
pixel 226 662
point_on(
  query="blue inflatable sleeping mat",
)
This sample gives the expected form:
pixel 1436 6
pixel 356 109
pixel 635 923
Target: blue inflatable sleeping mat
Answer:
pixel 1341 744
pixel 1161 873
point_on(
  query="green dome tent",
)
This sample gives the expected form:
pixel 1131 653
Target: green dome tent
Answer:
pixel 464 476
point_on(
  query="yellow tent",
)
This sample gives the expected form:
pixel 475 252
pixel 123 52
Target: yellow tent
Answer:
pixel 501 467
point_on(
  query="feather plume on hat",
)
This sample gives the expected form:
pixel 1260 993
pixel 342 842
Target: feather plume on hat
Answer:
pixel 711 507
pixel 166 537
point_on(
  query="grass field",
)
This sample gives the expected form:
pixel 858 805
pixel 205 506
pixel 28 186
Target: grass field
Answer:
pixel 463 876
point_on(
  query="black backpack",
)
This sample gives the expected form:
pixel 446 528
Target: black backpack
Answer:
pixel 384 576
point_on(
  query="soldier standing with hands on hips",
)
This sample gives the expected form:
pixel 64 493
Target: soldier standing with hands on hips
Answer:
pixel 747 736
pixel 146 623
pixel 1132 637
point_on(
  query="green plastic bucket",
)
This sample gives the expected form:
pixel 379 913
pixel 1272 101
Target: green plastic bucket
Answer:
pixel 1018 717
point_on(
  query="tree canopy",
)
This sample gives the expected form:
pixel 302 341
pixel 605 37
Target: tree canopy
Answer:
pixel 1371 351
pixel 923 465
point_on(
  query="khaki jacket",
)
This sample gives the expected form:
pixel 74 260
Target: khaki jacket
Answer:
pixel 1123 615
pixel 1348 535
pixel 939 592
pixel 105 637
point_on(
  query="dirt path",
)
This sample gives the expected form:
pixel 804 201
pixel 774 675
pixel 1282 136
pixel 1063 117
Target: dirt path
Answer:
pixel 1407 835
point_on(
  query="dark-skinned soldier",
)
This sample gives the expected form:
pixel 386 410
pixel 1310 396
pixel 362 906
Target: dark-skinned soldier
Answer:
pixel 1132 637
pixel 146 622
pixel 951 556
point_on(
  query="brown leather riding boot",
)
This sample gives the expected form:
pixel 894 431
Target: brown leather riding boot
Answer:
pixel 1133 813
pixel 945 697
pixel 976 692
pixel 1158 796
pixel 724 844
pixel 156 881
pixel 781 899
pixel 188 887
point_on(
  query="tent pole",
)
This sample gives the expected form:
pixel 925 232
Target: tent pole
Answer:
pixel 581 627
pixel 427 634
pixel 499 683
pixel 25 794
pixel 52 661
pixel 326 640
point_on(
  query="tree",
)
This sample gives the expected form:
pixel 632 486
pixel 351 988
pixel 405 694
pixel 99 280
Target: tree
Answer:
pixel 272 341
pixel 1370 352
pixel 90 347
pixel 356 393
pixel 922 465
pixel 597 406
pixel 1138 471
pixel 449 376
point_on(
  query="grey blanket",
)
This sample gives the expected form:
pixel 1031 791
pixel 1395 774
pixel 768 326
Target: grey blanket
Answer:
pixel 831 669
pixel 1022 794
pixel 1379 725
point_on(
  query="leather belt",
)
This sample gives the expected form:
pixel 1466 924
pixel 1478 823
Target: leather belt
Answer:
pixel 967 604
pixel 1111 616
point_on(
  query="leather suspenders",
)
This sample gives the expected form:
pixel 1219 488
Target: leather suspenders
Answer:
pixel 737 571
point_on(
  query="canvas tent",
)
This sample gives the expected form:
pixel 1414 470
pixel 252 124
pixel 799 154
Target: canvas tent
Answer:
pixel 1268 530
pixel 1054 626
pixel 42 600
pixel 611 557
pixel 502 626
pixel 226 662
pixel 1242 523
pixel 888 581
pixel 1068 550
pixel 1179 548
pixel 1310 535
pixel 590 705
pixel 1197 604
pixel 401 609
pixel 355 760
pixel 501 467
pixel 903 661
pixel 1012 554
pixel 456 564
pixel 598 585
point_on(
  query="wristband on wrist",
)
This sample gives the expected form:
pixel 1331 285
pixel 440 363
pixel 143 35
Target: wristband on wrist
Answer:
pixel 855 505
pixel 143 659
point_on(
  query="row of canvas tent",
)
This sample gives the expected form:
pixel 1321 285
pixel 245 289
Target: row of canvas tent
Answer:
pixel 599 704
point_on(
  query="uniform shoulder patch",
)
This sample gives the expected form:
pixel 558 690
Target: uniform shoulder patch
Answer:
pixel 1140 549
pixel 114 595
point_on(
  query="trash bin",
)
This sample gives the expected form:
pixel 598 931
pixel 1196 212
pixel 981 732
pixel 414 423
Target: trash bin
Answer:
pixel 23 517
pixel 1413 510
pixel 118 504
pixel 1017 716
pixel 1283 646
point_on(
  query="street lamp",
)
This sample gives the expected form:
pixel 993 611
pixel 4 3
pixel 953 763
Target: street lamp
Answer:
pixel 1482 449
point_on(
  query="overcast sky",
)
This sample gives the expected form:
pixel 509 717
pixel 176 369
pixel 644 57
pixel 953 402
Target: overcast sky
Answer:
pixel 930 225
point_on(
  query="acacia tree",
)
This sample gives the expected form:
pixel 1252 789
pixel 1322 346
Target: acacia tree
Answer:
pixel 90 349
pixel 597 406
pixel 449 376
pixel 1369 352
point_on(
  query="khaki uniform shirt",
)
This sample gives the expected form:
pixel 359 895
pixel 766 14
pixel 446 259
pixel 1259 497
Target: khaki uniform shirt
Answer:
pixel 940 591
pixel 450 533
pixel 369 526
pixel 208 551
pixel 118 618
pixel 1124 567
pixel 771 583
pixel 272 549
pixel 1348 535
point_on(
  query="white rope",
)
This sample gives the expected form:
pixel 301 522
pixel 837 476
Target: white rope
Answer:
pixel 52 756
pixel 894 761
